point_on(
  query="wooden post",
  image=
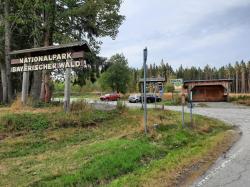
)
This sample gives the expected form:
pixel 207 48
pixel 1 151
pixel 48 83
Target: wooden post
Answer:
pixel 25 87
pixel 67 90
pixel 191 107
pixel 183 104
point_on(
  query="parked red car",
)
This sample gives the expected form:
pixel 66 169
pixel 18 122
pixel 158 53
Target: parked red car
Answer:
pixel 110 97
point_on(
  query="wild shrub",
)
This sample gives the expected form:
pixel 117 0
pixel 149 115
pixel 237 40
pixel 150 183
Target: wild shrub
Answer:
pixel 24 121
pixel 79 106
pixel 121 106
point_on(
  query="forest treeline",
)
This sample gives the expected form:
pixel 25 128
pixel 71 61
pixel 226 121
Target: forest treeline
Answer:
pixel 30 24
pixel 239 72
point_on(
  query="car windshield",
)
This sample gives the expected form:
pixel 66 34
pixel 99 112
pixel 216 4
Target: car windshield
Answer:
pixel 133 95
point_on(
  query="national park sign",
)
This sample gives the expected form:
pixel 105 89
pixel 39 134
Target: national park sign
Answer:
pixel 65 56
pixel 49 58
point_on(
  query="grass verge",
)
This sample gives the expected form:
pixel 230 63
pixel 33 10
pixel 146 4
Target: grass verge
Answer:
pixel 240 99
pixel 100 148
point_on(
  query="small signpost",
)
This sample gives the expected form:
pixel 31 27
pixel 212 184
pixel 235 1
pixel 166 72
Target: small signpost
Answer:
pixel 178 83
pixel 66 56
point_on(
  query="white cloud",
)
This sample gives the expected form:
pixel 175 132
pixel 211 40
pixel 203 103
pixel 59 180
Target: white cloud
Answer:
pixel 182 31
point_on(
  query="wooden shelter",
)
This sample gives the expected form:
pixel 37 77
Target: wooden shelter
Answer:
pixel 208 90
pixel 153 82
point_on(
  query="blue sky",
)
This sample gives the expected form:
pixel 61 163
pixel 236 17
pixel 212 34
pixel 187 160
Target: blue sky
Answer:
pixel 187 32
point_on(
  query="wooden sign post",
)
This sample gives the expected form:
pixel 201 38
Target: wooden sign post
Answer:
pixel 67 90
pixel 48 58
pixel 25 87
pixel 183 104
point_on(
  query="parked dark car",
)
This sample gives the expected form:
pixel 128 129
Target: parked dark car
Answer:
pixel 136 98
pixel 110 97
pixel 151 98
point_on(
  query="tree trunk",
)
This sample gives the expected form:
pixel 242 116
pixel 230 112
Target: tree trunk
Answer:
pixel 49 18
pixel 243 81
pixel 7 49
pixel 37 76
pixel 4 83
pixel 236 82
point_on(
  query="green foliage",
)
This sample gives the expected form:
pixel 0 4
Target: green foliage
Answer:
pixel 241 99
pixel 59 86
pixel 169 87
pixel 91 18
pixel 120 157
pixel 40 104
pixel 121 106
pixel 24 122
pixel 117 76
pixel 83 117
pixel 39 22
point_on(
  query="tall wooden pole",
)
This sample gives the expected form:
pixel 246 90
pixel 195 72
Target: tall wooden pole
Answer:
pixel 4 82
pixel 67 90
pixel 7 36
pixel 25 87
pixel 191 107
pixel 182 106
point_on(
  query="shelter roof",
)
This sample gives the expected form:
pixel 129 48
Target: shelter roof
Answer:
pixel 76 46
pixel 160 79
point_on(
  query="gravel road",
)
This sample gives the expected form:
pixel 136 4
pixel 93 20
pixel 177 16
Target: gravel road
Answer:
pixel 233 169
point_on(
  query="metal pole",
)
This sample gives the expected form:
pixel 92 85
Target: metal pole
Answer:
pixel 142 95
pixel 67 90
pixel 145 53
pixel 155 94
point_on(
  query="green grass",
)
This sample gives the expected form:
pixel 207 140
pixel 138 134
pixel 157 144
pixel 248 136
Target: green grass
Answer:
pixel 24 121
pixel 98 148
pixel 241 99
pixel 170 102
pixel 118 157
